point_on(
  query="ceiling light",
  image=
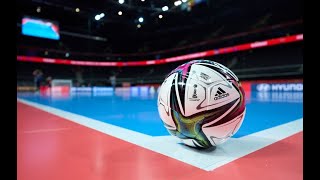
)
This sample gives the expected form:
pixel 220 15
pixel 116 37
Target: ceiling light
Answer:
pixel 165 8
pixel 97 17
pixel 177 3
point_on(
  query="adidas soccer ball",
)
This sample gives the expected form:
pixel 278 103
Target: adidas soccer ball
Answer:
pixel 202 103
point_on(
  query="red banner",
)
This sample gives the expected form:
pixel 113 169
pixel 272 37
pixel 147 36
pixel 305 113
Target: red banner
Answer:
pixel 213 52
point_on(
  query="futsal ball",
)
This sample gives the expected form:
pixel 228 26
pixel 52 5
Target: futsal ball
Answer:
pixel 202 102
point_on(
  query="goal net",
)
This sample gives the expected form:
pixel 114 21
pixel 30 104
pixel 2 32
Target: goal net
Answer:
pixel 61 85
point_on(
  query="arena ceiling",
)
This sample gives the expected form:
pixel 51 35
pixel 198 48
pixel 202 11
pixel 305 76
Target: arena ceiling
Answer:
pixel 176 18
pixel 189 22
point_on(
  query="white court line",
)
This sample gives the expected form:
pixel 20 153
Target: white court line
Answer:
pixel 170 146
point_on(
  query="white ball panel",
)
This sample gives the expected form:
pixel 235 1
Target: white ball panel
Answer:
pixel 164 101
pixel 165 89
pixel 230 95
pixel 204 74
pixel 224 131
pixel 195 94
pixel 223 68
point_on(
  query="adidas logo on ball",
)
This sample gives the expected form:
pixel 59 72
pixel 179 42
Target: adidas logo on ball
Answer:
pixel 220 94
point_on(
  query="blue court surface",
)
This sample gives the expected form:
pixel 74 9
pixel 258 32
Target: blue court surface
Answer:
pixel 137 110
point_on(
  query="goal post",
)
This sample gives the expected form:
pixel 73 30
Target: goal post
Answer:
pixel 61 85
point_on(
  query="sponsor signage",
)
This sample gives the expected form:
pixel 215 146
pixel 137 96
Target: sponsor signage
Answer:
pixel 284 87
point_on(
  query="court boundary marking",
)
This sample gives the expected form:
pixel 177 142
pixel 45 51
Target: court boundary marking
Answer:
pixel 170 146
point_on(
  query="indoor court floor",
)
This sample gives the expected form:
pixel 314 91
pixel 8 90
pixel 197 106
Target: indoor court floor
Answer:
pixel 119 135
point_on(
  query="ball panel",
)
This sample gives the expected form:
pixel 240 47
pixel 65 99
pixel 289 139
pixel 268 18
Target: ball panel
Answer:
pixel 163 102
pixel 166 117
pixel 218 134
pixel 223 70
pixel 195 95
pixel 239 124
pixel 177 94
pixel 204 74
pixel 165 89
pixel 221 113
pixel 221 93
